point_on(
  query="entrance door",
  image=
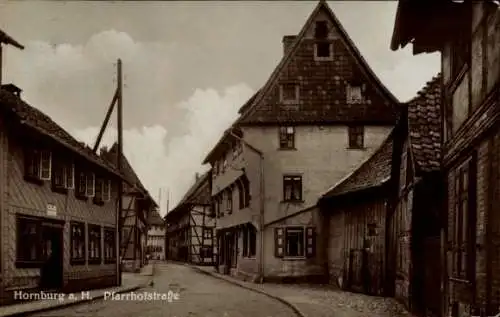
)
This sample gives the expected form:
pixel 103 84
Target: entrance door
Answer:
pixel 52 269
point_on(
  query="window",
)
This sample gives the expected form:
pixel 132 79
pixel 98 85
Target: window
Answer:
pixel 102 190
pixel 321 30
pixel 292 188
pixel 109 245
pixel 224 164
pixel 206 252
pixel 354 94
pixel 38 165
pixel 356 137
pixel 295 242
pixel 323 50
pixel 229 201
pixel 63 177
pixel 287 137
pixel 221 206
pixel 29 252
pixel 106 190
pixel 289 93
pixel 207 234
pixel 249 241
pixel 465 220
pixel 77 243
pixel 81 189
pixel 94 246
pixel 90 181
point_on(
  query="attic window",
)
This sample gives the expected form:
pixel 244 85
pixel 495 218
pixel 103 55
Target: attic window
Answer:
pixel 354 94
pixel 321 30
pixel 289 93
pixel 323 51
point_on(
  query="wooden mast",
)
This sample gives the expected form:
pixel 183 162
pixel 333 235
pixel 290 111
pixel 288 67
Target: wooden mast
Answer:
pixel 119 163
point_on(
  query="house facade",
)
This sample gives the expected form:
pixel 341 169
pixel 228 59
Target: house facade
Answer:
pixel 58 206
pixel 137 206
pixel 156 236
pixel 320 114
pixel 191 225
pixel 354 226
pixel 470 48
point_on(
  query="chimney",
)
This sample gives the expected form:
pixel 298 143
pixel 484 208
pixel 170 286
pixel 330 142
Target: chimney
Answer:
pixel 13 89
pixel 196 176
pixel 104 150
pixel 288 41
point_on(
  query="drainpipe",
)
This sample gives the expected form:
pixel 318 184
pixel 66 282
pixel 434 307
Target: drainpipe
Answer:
pixel 262 205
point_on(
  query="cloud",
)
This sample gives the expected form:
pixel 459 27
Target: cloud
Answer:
pixel 172 164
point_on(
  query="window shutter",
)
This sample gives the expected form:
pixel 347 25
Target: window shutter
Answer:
pixel 279 242
pixel 310 242
pixel 70 176
pixel 90 188
pixel 45 165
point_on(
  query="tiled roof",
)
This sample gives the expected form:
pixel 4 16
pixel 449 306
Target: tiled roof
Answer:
pixel 424 120
pixel 372 173
pixel 316 109
pixel 198 194
pixel 127 169
pixel 155 218
pixel 34 118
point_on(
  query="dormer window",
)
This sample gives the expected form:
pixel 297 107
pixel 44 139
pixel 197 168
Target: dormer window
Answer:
pixel 354 94
pixel 289 93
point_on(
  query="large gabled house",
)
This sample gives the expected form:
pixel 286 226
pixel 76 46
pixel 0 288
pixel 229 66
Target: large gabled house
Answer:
pixel 156 236
pixel 191 224
pixel 137 206
pixel 57 206
pixel 319 115
pixel 467 35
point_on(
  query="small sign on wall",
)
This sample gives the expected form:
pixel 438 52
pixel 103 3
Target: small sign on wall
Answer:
pixel 51 210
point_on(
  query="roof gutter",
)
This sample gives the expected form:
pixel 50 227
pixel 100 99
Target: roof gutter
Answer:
pixel 261 203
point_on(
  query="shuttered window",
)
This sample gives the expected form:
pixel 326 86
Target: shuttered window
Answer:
pixel 295 242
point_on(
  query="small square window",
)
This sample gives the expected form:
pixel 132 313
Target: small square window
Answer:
pixel 289 93
pixel 354 94
pixel 287 138
pixel 292 188
pixel 356 137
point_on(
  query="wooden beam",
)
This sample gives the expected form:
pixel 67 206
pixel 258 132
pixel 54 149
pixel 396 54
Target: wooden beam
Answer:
pixel 119 163
pixel 106 120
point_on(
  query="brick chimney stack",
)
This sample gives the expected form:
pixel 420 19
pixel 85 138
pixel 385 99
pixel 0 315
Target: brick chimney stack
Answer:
pixel 196 176
pixel 288 41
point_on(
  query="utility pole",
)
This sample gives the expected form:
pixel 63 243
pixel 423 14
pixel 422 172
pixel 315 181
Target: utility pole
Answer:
pixel 119 163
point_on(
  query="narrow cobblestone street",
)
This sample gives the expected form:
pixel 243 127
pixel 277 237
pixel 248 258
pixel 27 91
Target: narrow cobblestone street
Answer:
pixel 199 296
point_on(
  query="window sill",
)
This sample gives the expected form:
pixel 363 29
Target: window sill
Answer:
pixel 81 197
pixel 34 180
pixel 77 262
pixel 294 258
pixel 292 201
pixel 356 148
pixel 287 149
pixel 95 261
pixel 28 264
pixel 60 190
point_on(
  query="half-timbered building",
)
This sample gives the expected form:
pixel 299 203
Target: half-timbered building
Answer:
pixel 319 115
pixel 354 225
pixel 468 36
pixel 57 205
pixel 415 216
pixel 191 225
pixel 137 206
pixel 156 236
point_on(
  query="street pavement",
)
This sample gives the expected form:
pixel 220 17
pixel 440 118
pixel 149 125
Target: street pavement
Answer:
pixel 178 291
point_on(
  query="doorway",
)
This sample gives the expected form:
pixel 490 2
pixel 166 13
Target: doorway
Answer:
pixel 52 246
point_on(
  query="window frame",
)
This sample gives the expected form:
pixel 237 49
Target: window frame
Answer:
pixel 356 135
pixel 301 248
pixel 74 260
pixel 292 179
pixel 109 243
pixel 286 137
pixel 93 228
pixel 22 240
pixel 349 94
pixel 318 46
pixel 34 169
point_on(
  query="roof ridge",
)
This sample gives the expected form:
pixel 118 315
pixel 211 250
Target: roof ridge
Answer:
pixel 358 58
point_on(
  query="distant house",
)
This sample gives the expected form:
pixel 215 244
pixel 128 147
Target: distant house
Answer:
pixel 136 208
pixel 319 115
pixel 190 226
pixel 156 236
pixel 354 213
pixel 57 207
pixel 468 40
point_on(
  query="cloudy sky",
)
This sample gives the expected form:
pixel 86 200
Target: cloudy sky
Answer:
pixel 188 67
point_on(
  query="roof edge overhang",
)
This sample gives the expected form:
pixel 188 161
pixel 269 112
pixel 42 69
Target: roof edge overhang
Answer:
pixel 226 137
pixel 347 196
